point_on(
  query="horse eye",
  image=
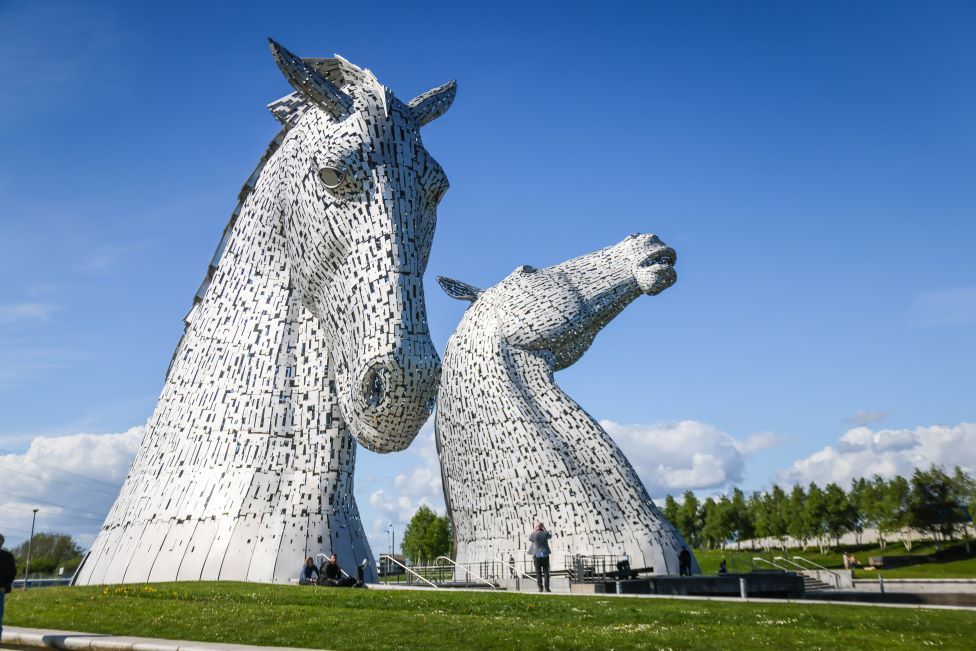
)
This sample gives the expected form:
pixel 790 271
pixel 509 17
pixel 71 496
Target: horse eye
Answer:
pixel 331 177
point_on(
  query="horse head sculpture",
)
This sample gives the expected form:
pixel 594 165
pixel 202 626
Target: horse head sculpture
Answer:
pixel 514 448
pixel 357 198
pixel 580 296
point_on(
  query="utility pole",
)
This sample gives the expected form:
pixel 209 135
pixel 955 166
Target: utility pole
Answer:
pixel 30 548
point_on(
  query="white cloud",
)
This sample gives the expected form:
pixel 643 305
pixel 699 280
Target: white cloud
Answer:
pixel 944 308
pixel 73 481
pixel 863 452
pixel 17 312
pixel 688 454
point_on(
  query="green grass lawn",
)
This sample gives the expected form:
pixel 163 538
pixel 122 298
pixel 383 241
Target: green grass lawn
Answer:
pixel 952 561
pixel 400 619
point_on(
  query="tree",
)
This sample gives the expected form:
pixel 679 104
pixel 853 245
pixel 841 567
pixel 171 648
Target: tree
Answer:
pixel 757 507
pixel 815 515
pixel 933 505
pixel 742 523
pixel 49 552
pixel 671 510
pixel 688 519
pixel 427 536
pixel 894 497
pixel 711 517
pixel 858 497
pixel 841 517
pixel 797 524
pixel 776 513
pixel 964 495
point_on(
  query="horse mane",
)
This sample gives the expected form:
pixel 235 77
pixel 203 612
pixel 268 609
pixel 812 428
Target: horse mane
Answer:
pixel 288 111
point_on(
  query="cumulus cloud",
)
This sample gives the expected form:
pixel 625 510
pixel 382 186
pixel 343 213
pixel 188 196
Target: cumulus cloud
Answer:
pixel 73 481
pixel 417 483
pixel 686 455
pixel 863 452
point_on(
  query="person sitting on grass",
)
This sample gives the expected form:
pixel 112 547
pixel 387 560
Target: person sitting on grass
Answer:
pixel 305 578
pixel 332 575
pixel 723 568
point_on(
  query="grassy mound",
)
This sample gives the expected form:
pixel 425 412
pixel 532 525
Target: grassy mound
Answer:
pixel 384 619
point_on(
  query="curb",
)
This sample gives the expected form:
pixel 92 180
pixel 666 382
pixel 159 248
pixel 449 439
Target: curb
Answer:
pixel 15 637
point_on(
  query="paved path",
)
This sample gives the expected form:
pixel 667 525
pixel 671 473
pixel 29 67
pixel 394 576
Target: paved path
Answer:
pixel 16 637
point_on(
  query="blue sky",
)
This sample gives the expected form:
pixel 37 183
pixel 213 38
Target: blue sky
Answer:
pixel 812 164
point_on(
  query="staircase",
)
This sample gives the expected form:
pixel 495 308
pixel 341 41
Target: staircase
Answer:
pixel 812 583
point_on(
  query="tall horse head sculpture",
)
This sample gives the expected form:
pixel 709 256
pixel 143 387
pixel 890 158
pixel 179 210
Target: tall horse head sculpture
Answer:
pixel 308 333
pixel 514 448
pixel 357 194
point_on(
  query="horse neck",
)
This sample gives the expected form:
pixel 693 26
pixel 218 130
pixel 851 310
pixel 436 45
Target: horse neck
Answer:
pixel 249 338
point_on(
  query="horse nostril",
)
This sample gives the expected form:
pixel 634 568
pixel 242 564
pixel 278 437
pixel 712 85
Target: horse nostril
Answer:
pixel 375 389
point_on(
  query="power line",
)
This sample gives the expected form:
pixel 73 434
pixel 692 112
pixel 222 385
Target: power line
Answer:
pixel 63 483
pixel 5 528
pixel 69 472
pixel 60 506
pixel 59 515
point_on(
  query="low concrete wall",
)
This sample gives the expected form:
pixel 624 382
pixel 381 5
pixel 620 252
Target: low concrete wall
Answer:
pixel 758 584
pixel 30 639
pixel 918 586
pixel 921 599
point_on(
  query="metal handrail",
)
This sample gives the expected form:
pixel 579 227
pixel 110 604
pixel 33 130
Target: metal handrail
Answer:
pixel 817 566
pixel 395 561
pixel 786 560
pixel 461 567
pixel 768 562
pixel 513 567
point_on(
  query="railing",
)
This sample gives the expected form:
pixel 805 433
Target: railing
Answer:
pixel 788 561
pixel 469 572
pixel 390 559
pixel 596 568
pixel 771 563
pixel 817 566
pixel 512 567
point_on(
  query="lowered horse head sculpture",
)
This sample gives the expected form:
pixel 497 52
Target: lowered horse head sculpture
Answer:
pixel 514 448
pixel 357 195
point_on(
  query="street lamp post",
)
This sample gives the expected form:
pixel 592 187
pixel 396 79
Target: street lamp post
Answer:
pixel 30 548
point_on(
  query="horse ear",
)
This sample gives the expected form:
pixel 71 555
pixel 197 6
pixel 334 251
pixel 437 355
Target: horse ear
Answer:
pixel 434 103
pixel 457 289
pixel 310 83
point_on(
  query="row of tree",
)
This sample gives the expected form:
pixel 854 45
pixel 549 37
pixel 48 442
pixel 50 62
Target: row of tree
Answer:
pixel 931 502
pixel 48 553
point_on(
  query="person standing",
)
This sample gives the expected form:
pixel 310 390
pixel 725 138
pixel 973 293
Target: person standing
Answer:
pixel 539 550
pixel 8 572
pixel 684 562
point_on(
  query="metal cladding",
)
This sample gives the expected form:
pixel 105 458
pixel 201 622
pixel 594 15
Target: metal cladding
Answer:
pixel 309 333
pixel 515 449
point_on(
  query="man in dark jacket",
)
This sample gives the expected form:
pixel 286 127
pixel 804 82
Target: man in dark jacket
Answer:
pixel 332 574
pixel 539 550
pixel 8 571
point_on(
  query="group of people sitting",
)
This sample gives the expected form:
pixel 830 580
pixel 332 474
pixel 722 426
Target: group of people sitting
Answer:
pixel 329 574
